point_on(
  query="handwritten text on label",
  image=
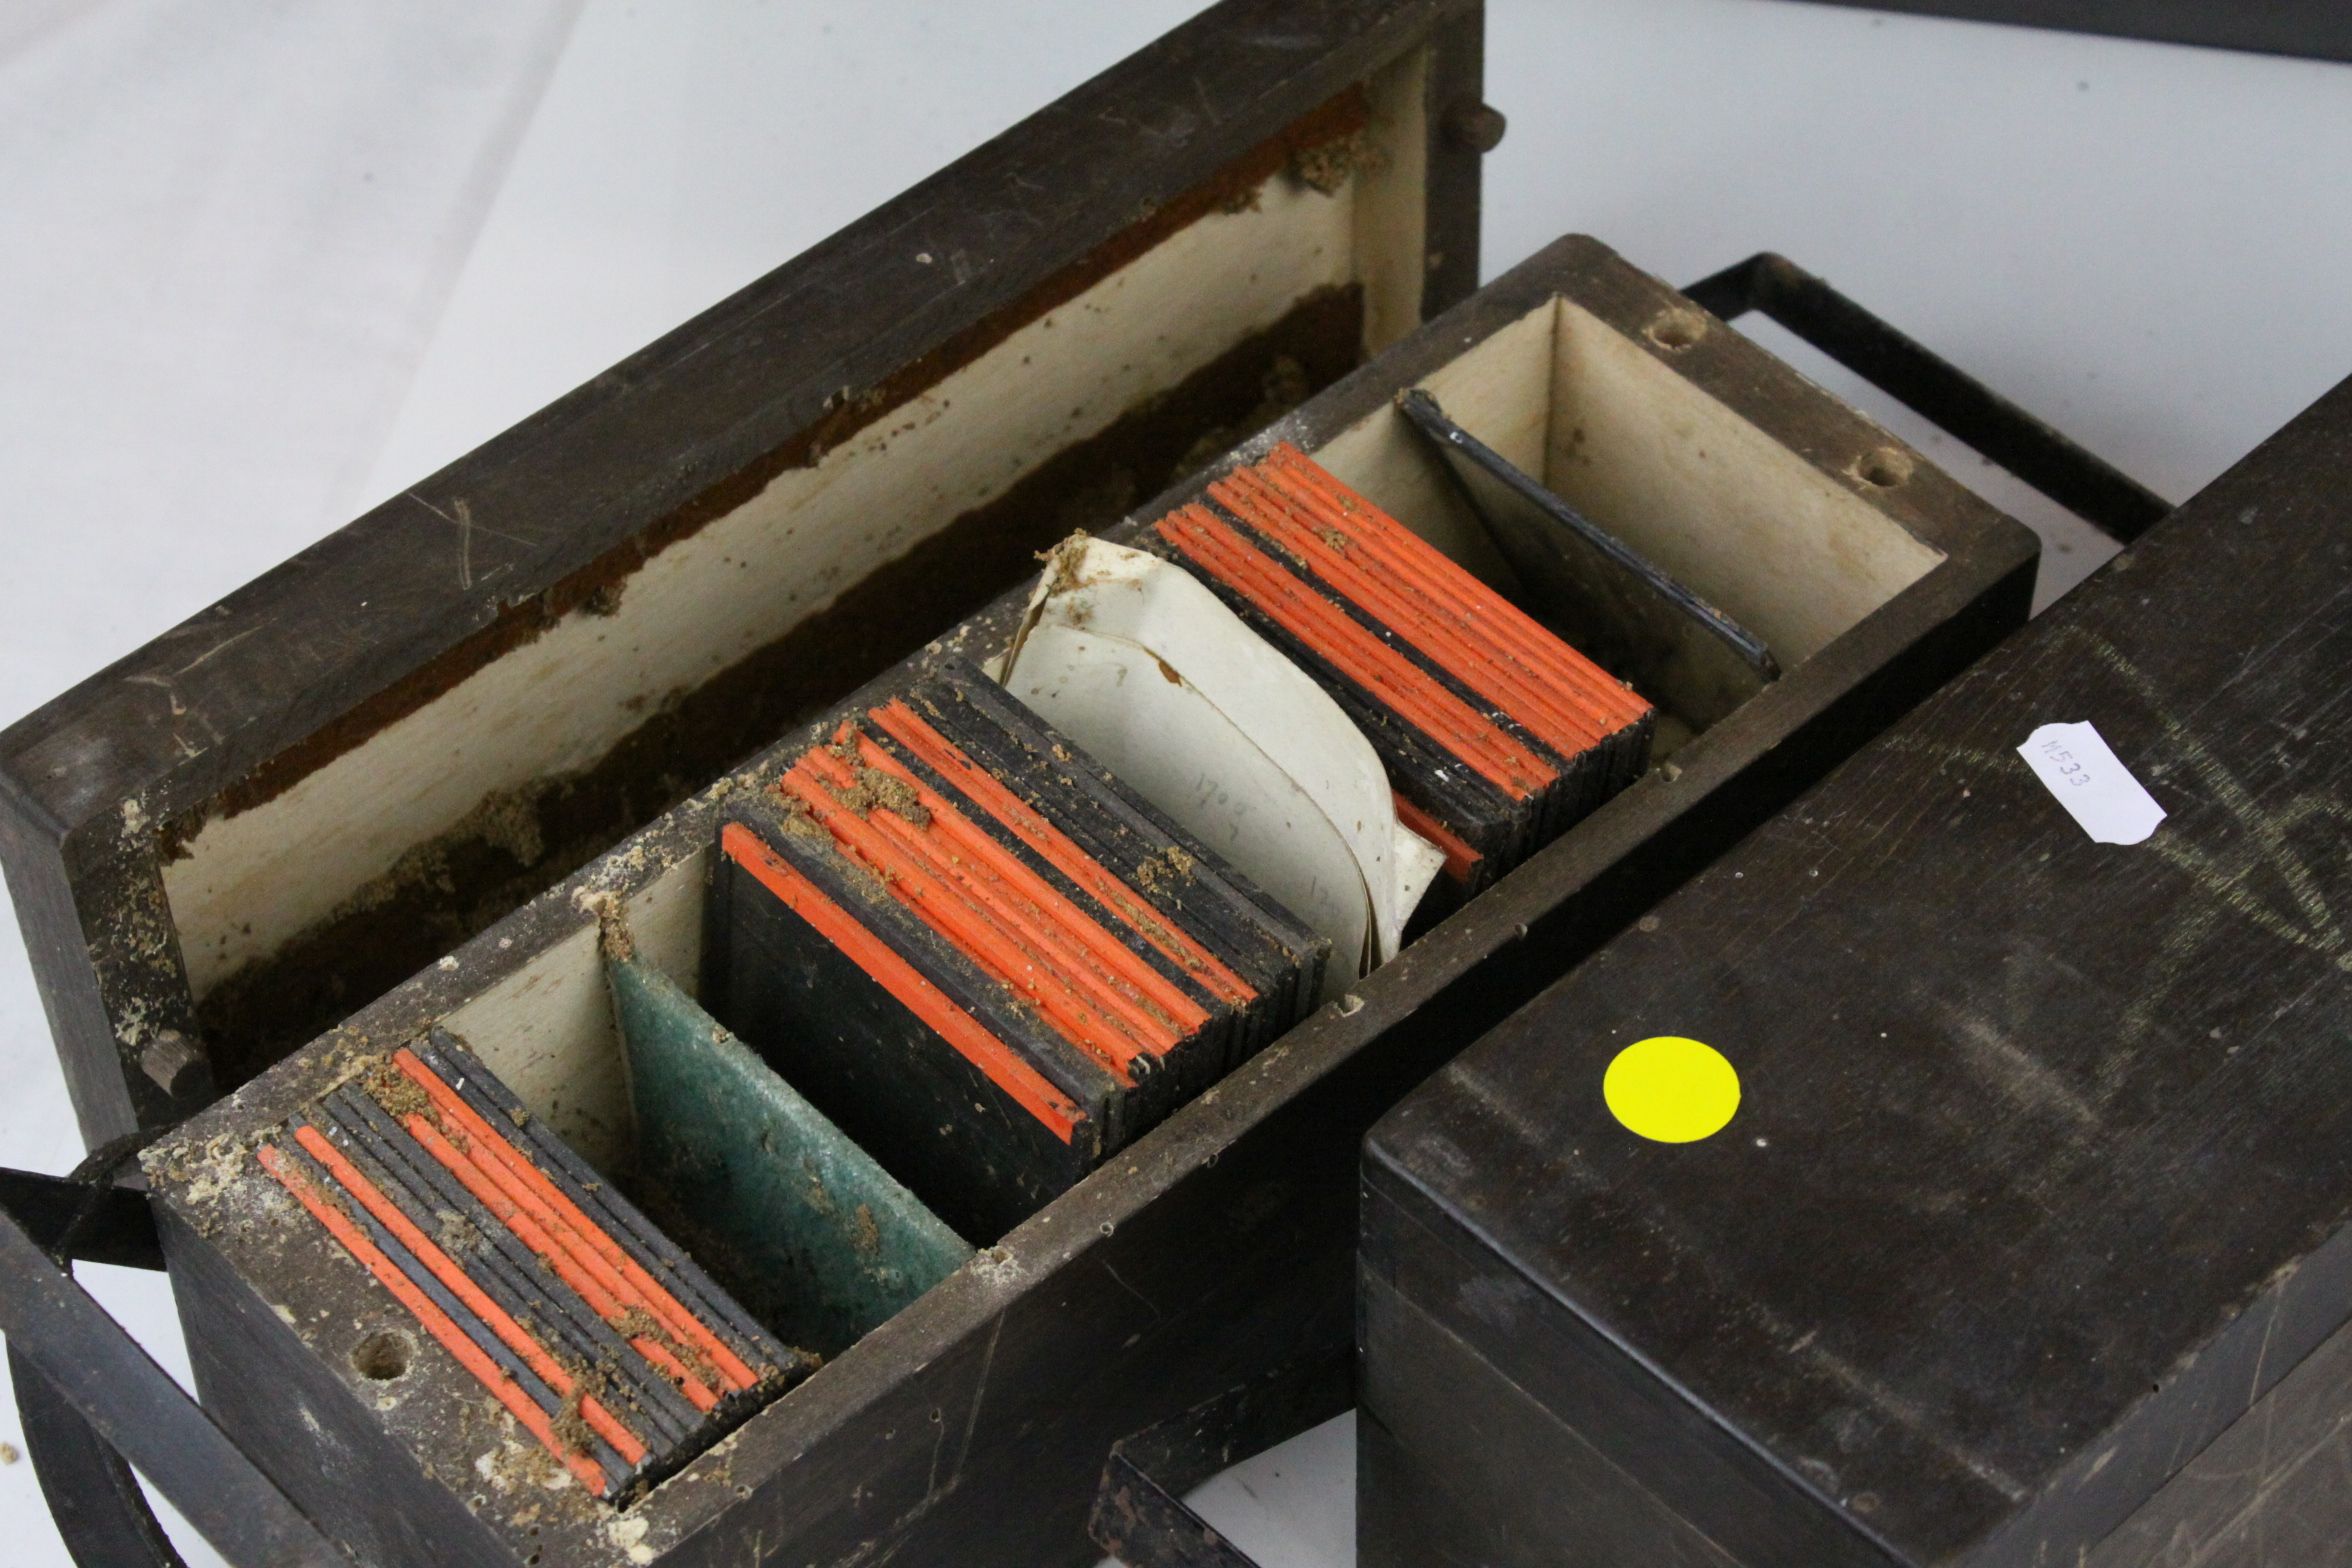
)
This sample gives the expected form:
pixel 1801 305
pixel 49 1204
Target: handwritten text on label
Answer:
pixel 2075 764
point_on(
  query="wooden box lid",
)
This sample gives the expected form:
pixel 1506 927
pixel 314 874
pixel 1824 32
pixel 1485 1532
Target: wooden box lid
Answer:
pixel 275 811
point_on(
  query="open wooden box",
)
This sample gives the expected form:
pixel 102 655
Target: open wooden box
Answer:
pixel 971 1427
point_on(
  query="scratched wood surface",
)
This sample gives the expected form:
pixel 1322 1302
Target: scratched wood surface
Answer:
pixel 2219 1511
pixel 2042 1177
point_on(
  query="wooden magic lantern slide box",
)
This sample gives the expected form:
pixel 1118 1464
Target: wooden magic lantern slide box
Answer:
pixel 1218 1245
pixel 742 530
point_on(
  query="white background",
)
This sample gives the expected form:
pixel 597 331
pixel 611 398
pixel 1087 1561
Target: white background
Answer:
pixel 262 264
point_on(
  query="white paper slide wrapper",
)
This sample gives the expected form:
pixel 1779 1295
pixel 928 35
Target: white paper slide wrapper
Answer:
pixel 1137 662
pixel 2075 764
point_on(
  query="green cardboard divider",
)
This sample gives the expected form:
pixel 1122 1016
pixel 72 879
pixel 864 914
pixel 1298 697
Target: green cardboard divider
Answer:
pixel 814 1237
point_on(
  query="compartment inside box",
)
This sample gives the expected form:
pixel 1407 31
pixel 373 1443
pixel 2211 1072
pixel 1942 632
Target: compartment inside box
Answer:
pixel 1765 535
pixel 345 864
pixel 1701 493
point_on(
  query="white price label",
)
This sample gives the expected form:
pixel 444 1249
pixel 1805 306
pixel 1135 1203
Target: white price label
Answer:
pixel 2091 782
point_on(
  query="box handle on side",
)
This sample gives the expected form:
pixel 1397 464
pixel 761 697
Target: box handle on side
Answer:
pixel 94 1403
pixel 1935 389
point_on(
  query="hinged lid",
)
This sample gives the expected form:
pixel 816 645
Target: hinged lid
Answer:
pixel 273 812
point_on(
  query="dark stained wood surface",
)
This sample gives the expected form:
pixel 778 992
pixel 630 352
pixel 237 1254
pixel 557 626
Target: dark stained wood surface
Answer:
pixel 2219 1513
pixel 2043 1172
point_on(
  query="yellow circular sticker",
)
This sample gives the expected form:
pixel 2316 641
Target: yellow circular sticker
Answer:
pixel 1672 1090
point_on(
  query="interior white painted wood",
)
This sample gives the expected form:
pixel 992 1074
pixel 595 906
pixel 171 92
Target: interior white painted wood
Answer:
pixel 1391 210
pixel 665 920
pixel 1782 548
pixel 250 882
pixel 1500 387
pixel 548 1032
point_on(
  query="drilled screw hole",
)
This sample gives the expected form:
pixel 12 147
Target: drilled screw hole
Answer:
pixel 381 1357
pixel 1885 468
pixel 1678 329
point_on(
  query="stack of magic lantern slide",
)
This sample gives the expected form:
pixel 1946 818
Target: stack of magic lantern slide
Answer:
pixel 982 956
pixel 992 962
pixel 1496 735
pixel 953 963
pixel 602 1338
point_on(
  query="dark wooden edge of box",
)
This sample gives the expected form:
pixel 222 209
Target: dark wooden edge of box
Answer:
pixel 1532 1486
pixel 376 614
pixel 1289 1122
pixel 1526 1356
pixel 2319 29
